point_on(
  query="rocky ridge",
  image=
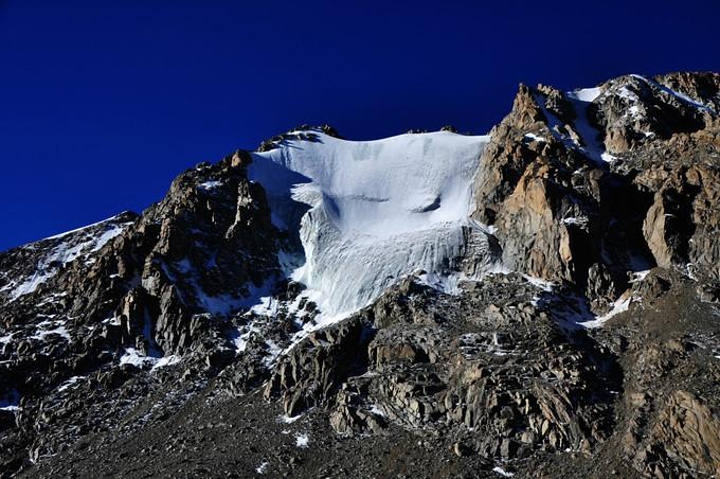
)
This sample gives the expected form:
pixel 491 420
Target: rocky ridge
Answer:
pixel 592 351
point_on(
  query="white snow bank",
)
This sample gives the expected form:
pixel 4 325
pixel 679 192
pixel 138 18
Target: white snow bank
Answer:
pixel 607 157
pixel 302 440
pixel 142 361
pixel 136 358
pixel 30 284
pixel 58 328
pixel 638 276
pixel 371 213
pixel 210 185
pixel 288 419
pixel 534 137
pixel 262 467
pixel 69 383
pixel 587 95
pixel 620 306
pixel 377 411
pixel 539 283
pixel 502 471
pixel 166 361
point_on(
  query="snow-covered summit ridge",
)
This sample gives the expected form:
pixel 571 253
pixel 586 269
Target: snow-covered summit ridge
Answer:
pixel 55 252
pixel 372 212
pixel 628 87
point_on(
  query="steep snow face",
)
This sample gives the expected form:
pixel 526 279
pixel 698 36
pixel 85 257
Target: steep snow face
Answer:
pixel 370 213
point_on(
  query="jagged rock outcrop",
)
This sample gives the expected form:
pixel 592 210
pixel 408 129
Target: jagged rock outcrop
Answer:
pixel 682 224
pixel 564 170
pixel 310 374
pixel 488 362
pixel 686 433
pixel 140 290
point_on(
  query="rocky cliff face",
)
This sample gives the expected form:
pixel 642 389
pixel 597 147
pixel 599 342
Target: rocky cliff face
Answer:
pixel 588 186
pixel 572 330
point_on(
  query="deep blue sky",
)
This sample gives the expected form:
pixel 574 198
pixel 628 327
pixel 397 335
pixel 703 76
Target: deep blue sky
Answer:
pixel 103 102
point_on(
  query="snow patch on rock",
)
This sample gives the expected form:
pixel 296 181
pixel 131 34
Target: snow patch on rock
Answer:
pixel 620 306
pixel 302 440
pixel 587 95
pixel 502 472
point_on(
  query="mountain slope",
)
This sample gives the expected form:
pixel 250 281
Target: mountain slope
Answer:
pixel 371 213
pixel 540 301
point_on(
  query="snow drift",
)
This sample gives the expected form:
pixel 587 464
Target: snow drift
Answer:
pixel 369 213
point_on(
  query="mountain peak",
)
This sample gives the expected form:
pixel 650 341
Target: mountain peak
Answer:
pixel 504 301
